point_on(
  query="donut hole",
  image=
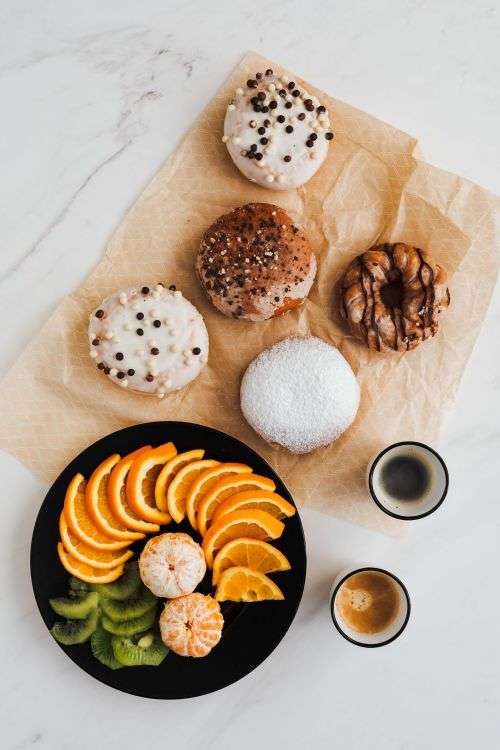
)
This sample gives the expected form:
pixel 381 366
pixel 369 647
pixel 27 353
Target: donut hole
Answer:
pixel 392 294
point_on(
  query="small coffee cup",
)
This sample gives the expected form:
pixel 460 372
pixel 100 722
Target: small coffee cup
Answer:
pixel 367 590
pixel 408 480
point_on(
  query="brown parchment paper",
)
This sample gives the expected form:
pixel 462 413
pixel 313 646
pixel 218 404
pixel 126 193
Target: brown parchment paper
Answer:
pixel 372 188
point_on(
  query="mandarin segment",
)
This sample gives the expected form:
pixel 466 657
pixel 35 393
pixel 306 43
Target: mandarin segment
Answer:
pixel 205 482
pixel 223 489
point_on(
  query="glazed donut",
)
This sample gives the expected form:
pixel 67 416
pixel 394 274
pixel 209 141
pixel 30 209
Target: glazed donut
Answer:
pixel 149 339
pixel 255 263
pixel 392 296
pixel 276 133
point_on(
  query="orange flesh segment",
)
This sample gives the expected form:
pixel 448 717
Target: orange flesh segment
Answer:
pixel 79 521
pixel 141 482
pixel 205 483
pixel 96 498
pixel 169 471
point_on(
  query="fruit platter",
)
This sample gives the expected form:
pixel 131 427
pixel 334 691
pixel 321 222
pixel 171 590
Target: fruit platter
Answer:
pixel 168 560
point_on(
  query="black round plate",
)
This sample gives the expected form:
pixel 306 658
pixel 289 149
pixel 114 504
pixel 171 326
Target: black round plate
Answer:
pixel 251 631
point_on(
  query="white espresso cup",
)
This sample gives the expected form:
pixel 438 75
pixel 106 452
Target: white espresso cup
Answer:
pixel 393 629
pixel 436 481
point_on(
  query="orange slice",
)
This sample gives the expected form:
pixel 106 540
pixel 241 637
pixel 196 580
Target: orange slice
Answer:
pixel 271 502
pixel 95 558
pixel 205 481
pixel 79 521
pixel 223 489
pixel 117 497
pixel 241 584
pixel 168 473
pixel 141 481
pixel 179 486
pixel 96 499
pixel 256 524
pixel 87 572
pixel 251 553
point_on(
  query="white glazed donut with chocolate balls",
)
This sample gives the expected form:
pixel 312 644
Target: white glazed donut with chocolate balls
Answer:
pixel 255 263
pixel 276 133
pixel 148 339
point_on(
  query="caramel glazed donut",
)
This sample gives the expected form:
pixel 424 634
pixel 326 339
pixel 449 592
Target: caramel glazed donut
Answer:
pixel 255 263
pixel 392 296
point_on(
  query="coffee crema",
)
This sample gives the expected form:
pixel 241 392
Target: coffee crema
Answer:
pixel 368 602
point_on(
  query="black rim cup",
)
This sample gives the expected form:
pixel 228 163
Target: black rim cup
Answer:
pixel 338 625
pixel 398 515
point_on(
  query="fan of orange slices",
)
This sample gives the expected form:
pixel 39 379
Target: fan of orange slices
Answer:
pixel 236 512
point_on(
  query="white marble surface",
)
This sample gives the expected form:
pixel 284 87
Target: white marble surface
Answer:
pixel 94 97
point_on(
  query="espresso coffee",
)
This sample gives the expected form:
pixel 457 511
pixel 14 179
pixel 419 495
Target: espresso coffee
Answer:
pixel 405 477
pixel 368 602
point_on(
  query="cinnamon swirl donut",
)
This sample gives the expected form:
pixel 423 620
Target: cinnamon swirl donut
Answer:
pixel 392 296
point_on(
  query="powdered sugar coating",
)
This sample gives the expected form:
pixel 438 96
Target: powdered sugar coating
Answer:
pixel 301 394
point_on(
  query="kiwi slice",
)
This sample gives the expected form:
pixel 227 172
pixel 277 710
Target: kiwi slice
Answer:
pixel 135 606
pixel 146 649
pixel 75 608
pixel 72 632
pixel 127 585
pixel 100 643
pixel 130 627
pixel 78 587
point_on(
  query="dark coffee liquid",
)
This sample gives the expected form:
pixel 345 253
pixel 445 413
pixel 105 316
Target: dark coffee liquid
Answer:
pixel 405 478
